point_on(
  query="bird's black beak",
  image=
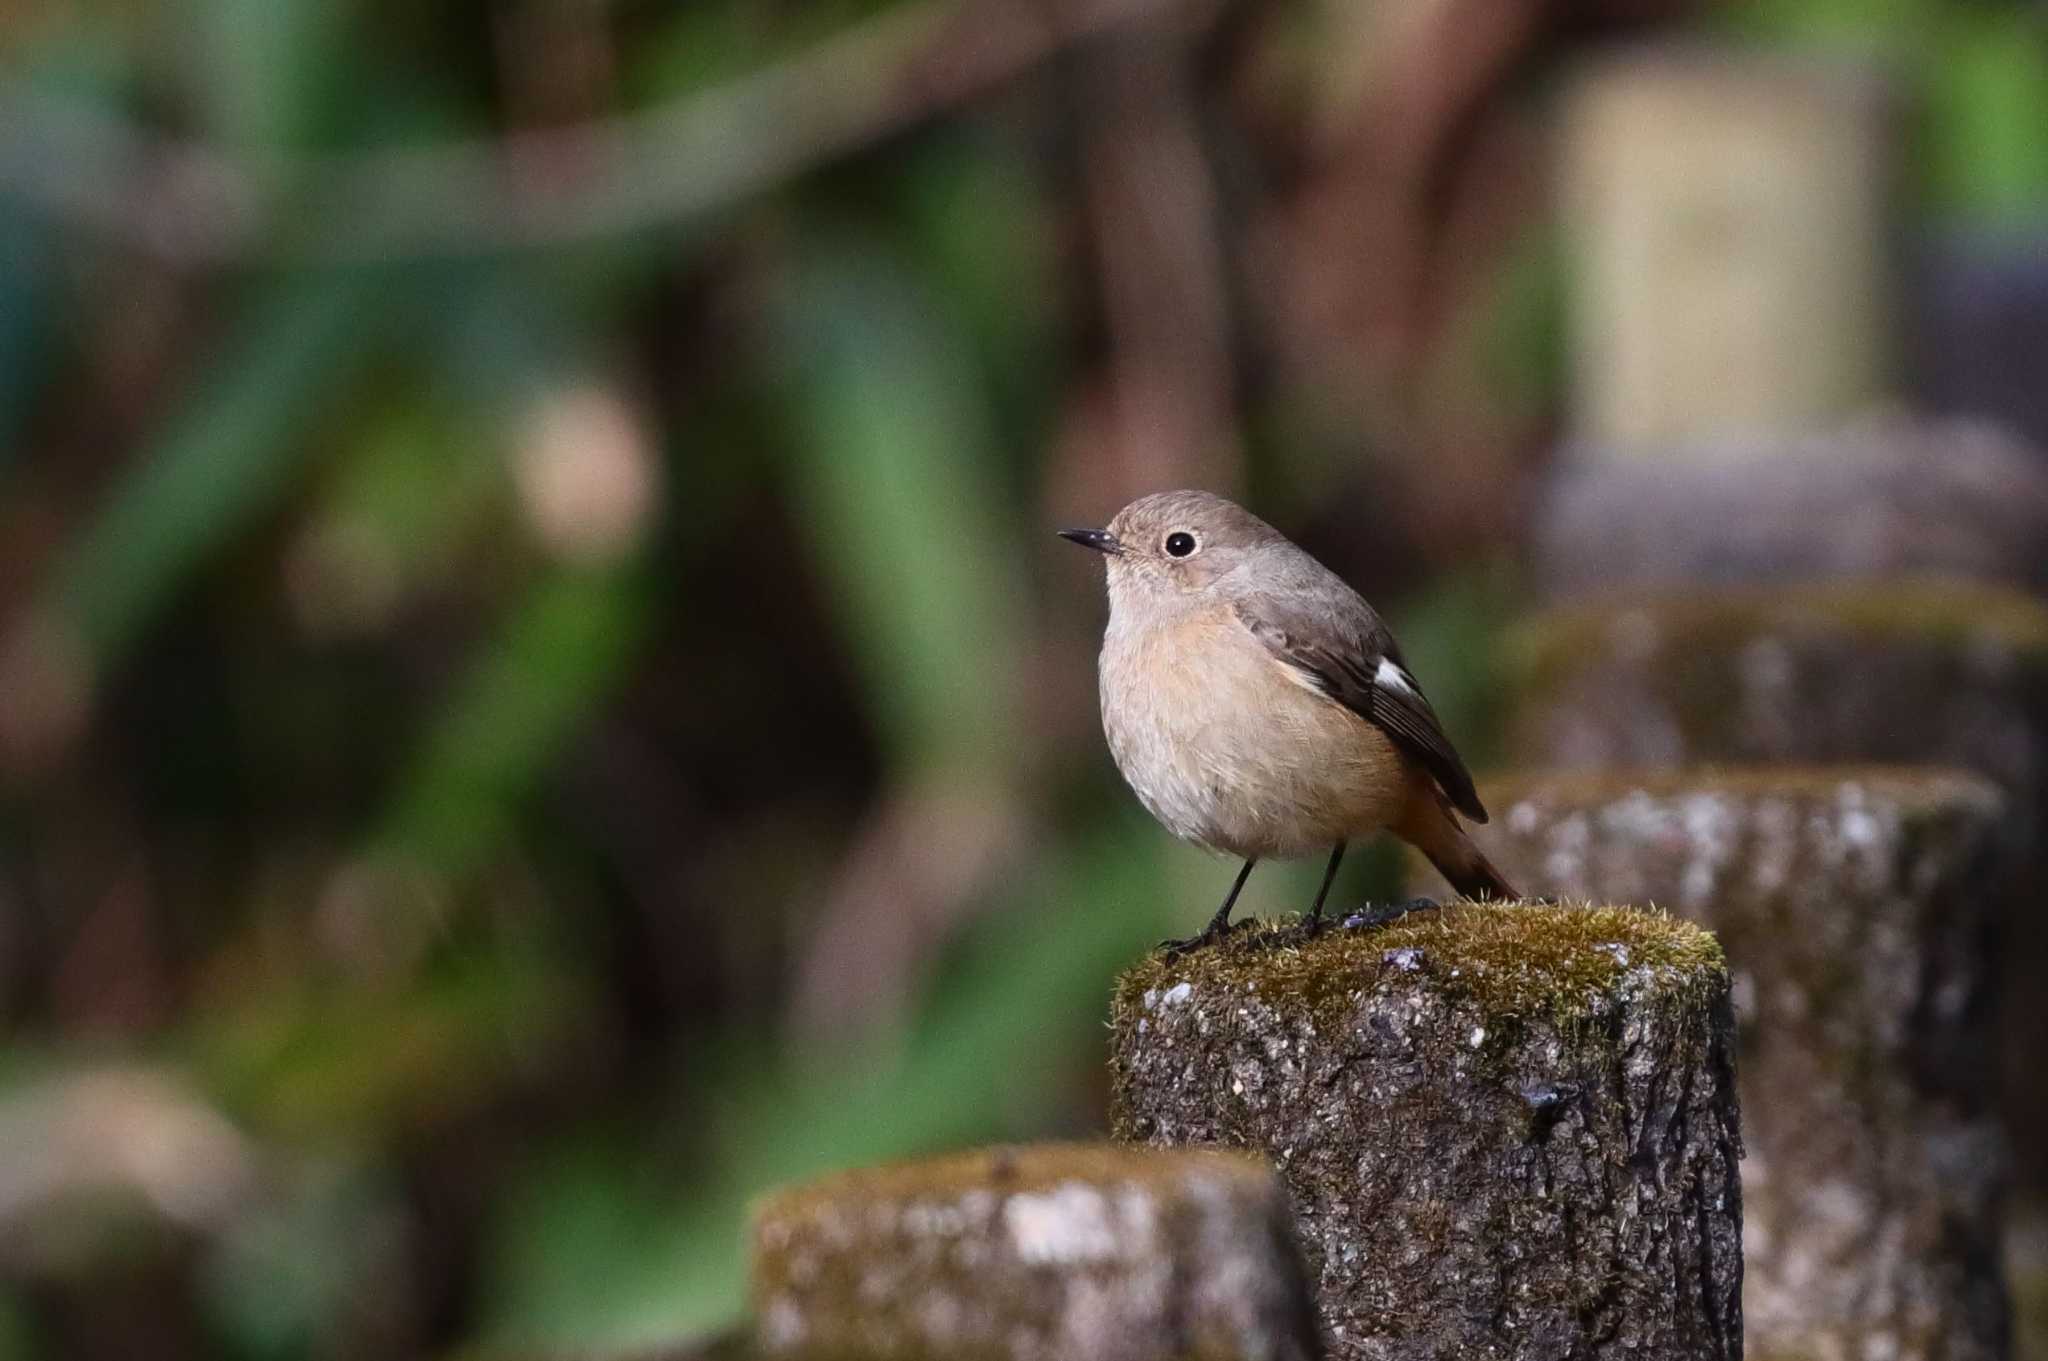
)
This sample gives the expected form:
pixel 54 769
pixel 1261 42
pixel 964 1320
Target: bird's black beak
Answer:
pixel 1101 540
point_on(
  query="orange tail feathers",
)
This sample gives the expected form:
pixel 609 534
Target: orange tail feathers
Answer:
pixel 1434 831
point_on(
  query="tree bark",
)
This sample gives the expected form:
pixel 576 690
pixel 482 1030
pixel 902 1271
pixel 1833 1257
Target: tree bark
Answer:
pixel 1035 1253
pixel 1913 672
pixel 1857 910
pixel 1923 673
pixel 1871 498
pixel 1508 1131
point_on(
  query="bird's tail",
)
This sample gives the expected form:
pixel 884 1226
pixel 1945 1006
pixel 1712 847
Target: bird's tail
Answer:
pixel 1436 833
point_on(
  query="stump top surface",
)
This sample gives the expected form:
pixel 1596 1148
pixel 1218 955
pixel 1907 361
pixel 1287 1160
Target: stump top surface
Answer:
pixel 1508 959
pixel 1926 610
pixel 1910 789
pixel 1074 1252
pixel 1023 1169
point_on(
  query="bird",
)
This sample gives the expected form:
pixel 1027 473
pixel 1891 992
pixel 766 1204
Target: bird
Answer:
pixel 1258 706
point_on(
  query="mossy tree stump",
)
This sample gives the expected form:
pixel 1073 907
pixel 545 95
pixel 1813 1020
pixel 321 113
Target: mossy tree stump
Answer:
pixel 1084 1252
pixel 1871 499
pixel 1856 908
pixel 1945 673
pixel 1911 673
pixel 1508 1131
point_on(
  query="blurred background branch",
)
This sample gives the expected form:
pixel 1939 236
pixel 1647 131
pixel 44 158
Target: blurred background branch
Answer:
pixel 196 203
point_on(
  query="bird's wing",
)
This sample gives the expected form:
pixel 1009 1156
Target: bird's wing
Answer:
pixel 1349 655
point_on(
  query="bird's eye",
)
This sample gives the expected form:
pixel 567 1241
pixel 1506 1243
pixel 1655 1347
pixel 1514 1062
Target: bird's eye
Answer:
pixel 1179 544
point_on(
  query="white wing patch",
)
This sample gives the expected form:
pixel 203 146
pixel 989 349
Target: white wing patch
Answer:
pixel 1393 677
pixel 1307 680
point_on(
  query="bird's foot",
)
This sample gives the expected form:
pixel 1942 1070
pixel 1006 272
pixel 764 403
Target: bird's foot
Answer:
pixel 1296 933
pixel 1171 949
pixel 1379 914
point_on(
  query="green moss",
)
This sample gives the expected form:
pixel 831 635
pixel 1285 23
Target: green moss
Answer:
pixel 1022 1169
pixel 860 1262
pixel 1510 960
pixel 2028 1279
pixel 1408 1080
pixel 1942 612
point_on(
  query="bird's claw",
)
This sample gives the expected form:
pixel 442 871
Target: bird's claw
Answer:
pixel 1172 949
pixel 1380 914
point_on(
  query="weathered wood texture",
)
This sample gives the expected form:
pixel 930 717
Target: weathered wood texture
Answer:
pixel 1035 1253
pixel 1938 673
pixel 1923 672
pixel 1509 1131
pixel 1857 909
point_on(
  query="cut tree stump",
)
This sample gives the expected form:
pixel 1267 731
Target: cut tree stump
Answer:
pixel 1857 910
pixel 1508 1131
pixel 1909 672
pixel 1876 497
pixel 1060 1252
pixel 1944 673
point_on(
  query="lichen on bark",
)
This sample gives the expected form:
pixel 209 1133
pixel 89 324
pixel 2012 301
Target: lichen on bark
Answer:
pixel 1926 672
pixel 1857 908
pixel 1508 1130
pixel 1049 1252
pixel 1879 496
pixel 1904 671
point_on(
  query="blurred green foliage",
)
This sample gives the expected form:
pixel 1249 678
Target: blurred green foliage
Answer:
pixel 1976 86
pixel 454 702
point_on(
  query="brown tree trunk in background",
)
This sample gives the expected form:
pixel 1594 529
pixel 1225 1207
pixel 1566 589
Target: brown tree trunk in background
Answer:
pixel 1036 1253
pixel 1508 1131
pixel 1857 909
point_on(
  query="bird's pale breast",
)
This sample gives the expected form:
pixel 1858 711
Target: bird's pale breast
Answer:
pixel 1228 746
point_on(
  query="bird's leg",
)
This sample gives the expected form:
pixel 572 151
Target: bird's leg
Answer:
pixel 1315 913
pixel 1218 924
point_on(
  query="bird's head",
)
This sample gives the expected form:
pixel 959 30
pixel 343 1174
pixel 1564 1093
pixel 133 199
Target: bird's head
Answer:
pixel 1173 545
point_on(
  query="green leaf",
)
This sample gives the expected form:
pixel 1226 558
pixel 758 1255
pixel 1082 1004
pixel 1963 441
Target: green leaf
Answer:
pixel 283 1279
pixel 18 1341
pixel 227 455
pixel 1987 109
pixel 561 653
pixel 1891 26
pixel 903 495
pixel 333 1064
pixel 258 66
pixel 26 303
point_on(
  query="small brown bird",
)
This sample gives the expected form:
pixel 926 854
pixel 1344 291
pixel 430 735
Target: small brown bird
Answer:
pixel 1258 706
